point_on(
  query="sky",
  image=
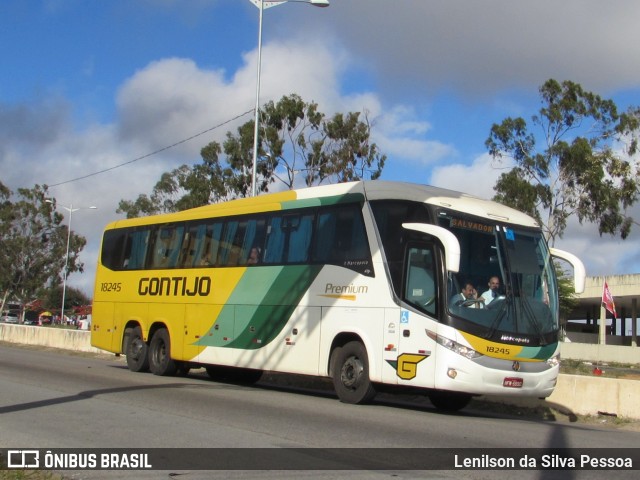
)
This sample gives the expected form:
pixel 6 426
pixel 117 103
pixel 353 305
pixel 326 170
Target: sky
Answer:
pixel 99 86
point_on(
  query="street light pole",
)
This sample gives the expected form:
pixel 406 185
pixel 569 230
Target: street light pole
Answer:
pixel 69 209
pixel 262 4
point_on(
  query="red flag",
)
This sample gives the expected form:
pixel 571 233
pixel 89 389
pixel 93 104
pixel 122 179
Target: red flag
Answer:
pixel 607 299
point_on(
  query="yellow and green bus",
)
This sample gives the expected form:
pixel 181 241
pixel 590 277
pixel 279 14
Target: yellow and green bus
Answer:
pixel 357 282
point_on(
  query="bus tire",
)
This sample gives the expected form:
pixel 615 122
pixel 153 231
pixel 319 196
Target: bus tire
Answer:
pixel 136 351
pixel 160 362
pixel 350 372
pixel 449 401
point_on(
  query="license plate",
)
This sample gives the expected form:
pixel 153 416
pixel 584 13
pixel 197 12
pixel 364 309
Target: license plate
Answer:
pixel 512 382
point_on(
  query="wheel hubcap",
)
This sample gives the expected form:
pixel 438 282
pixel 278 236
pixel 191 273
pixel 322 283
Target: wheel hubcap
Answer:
pixel 351 372
pixel 137 348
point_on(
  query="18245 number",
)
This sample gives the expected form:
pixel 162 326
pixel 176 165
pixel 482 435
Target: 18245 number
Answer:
pixel 110 287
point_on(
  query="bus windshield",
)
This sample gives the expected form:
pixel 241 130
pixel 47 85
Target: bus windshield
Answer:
pixel 506 286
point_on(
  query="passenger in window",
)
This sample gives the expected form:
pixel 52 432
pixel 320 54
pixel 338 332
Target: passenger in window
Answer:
pixel 254 256
pixel 468 297
pixel 493 292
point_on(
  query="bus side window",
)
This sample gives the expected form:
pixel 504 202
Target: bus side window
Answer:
pixel 300 229
pixel 274 246
pixel 229 250
pixel 253 239
pixel 420 286
pixel 325 241
pixel 113 249
pixel 175 246
pixel 212 249
pixel 289 239
pixel 192 245
pixel 166 249
pixel 341 237
pixel 197 240
pixel 139 241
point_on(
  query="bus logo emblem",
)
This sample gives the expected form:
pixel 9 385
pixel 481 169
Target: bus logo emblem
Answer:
pixel 406 365
pixel 516 366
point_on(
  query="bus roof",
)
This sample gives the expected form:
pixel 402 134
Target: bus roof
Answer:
pixel 448 199
pixel 338 193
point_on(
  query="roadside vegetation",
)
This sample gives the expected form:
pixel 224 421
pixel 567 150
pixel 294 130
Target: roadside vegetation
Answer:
pixel 601 369
pixel 29 475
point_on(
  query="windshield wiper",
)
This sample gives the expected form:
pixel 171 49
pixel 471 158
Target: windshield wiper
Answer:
pixel 525 310
pixel 500 314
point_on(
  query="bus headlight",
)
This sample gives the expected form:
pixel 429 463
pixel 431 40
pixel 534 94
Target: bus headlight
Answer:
pixel 456 347
pixel 554 361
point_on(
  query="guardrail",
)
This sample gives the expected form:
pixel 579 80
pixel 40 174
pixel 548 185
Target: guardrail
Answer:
pixel 64 338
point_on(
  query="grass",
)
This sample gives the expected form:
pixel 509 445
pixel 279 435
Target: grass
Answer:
pixel 61 327
pixel 608 370
pixel 29 475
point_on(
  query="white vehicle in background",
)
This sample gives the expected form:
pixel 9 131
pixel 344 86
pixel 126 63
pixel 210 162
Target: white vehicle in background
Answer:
pixel 11 313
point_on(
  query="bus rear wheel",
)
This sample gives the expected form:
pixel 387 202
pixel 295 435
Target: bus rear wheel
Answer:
pixel 350 372
pixel 136 350
pixel 449 401
pixel 160 362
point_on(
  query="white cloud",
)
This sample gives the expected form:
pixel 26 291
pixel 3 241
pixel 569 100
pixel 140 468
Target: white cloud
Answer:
pixel 403 137
pixel 486 46
pixel 606 254
pixel 476 179
pixel 172 99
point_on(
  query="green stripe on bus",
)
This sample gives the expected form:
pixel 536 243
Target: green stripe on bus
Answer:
pixel 260 306
pixel 538 353
pixel 322 201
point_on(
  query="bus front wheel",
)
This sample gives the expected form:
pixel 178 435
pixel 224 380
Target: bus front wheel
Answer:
pixel 350 372
pixel 136 350
pixel 160 362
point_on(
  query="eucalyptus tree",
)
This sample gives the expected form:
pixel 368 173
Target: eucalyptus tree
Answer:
pixel 182 188
pixel 298 146
pixel 574 158
pixel 33 241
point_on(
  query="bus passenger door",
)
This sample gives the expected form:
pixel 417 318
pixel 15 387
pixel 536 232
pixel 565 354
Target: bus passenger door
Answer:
pixel 415 364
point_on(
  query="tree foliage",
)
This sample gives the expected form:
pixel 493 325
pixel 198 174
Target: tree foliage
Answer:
pixel 33 243
pixel 74 298
pixel 298 145
pixel 182 188
pixel 574 158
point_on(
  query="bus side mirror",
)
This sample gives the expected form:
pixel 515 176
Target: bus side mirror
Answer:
pixel 448 240
pixel 579 272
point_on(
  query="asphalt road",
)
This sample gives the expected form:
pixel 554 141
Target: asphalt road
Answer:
pixel 54 399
